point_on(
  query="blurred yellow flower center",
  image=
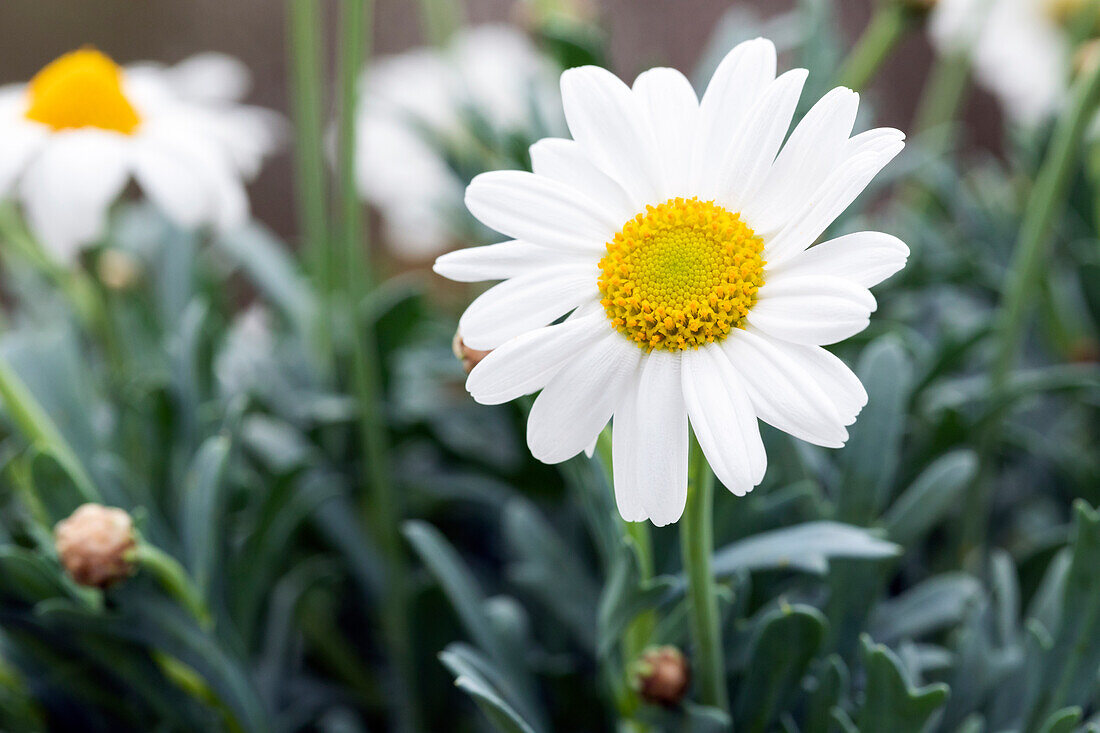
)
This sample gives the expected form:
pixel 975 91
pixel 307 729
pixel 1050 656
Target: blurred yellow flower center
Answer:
pixel 81 89
pixel 1067 11
pixel 681 275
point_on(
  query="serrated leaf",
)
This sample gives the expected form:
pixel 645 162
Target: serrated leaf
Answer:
pixel 890 704
pixel 936 603
pixel 829 688
pixel 202 510
pixel 805 547
pixel 930 497
pixel 869 459
pixel 625 596
pixel 1069 677
pixel 780 651
pixel 476 676
pixel 1062 721
pixel 548 569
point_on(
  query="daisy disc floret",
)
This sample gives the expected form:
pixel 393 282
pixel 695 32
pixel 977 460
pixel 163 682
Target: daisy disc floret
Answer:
pixel 662 272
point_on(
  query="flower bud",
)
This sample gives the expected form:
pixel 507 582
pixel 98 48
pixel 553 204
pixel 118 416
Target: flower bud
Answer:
pixel 95 544
pixel 117 270
pixel 470 358
pixel 662 675
pixel 1086 57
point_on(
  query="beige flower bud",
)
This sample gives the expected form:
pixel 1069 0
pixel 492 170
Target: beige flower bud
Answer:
pixel 662 675
pixel 1086 57
pixel 117 269
pixel 94 545
pixel 470 358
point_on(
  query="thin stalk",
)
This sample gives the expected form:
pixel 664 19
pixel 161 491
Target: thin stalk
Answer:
pixel 439 19
pixel 943 92
pixel 381 510
pixel 174 579
pixel 638 633
pixel 697 547
pixel 307 98
pixel 1045 204
pixel 891 21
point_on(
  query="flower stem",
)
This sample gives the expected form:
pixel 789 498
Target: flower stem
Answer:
pixel 891 21
pixel 696 547
pixel 439 19
pixel 942 92
pixel 174 579
pixel 381 510
pixel 307 87
pixel 1030 257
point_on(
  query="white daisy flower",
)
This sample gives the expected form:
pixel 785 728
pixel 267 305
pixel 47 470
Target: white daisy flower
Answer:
pixel 1019 49
pixel 76 134
pixel 416 103
pixel 676 234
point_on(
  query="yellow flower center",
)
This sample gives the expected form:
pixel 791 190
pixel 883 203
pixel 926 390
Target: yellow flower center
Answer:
pixel 681 275
pixel 81 89
pixel 1065 12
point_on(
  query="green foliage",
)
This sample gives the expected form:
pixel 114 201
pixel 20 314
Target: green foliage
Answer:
pixel 850 593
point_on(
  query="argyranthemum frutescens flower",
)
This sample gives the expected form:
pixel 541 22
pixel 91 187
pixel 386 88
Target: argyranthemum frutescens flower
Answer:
pixel 1020 49
pixel 72 138
pixel 490 81
pixel 676 234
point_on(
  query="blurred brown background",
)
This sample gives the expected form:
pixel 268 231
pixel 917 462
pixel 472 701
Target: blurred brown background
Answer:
pixel 643 33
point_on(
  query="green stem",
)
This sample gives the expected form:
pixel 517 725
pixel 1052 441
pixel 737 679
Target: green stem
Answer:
pixel 1030 257
pixel 439 19
pixel 891 21
pixel 307 87
pixel 696 547
pixel 355 25
pixel 381 510
pixel 639 633
pixel 174 579
pixel 943 93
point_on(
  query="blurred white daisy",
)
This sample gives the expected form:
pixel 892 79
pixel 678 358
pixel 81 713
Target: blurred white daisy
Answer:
pixel 419 104
pixel 1019 49
pixel 676 233
pixel 83 127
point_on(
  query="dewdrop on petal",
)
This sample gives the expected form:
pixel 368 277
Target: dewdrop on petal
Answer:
pixel 95 545
pixel 662 675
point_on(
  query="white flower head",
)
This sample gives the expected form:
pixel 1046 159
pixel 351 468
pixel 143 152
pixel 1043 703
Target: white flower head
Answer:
pixel 1019 50
pixel 77 133
pixel 415 102
pixel 676 234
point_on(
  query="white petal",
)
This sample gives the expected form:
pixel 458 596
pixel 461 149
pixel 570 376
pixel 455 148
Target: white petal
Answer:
pixel 830 199
pixel 628 498
pixel 783 393
pixel 807 158
pixel 526 363
pixel 737 83
pixel 174 183
pixel 863 258
pixel 210 170
pixel 750 154
pixel 835 378
pixel 650 443
pixel 540 210
pixel 21 142
pixel 501 261
pixel 604 117
pixel 211 77
pixel 566 161
pixel 577 403
pixel 668 101
pixel 723 419
pixel 524 303
pixel 68 189
pixel 811 310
